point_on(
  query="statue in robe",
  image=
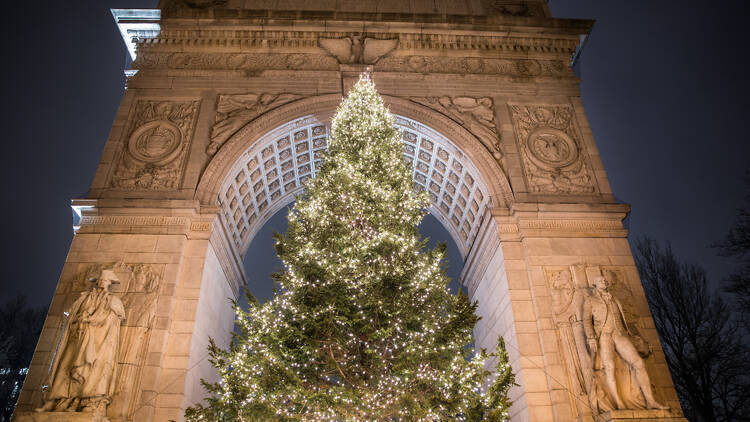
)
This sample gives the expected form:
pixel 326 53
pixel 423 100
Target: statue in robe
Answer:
pixel 83 372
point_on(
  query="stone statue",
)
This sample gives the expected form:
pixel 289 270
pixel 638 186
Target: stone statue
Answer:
pixel 607 333
pixel 82 376
pixel 567 305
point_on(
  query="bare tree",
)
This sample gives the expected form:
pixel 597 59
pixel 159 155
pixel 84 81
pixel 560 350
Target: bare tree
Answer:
pixel 737 245
pixel 710 364
pixel 20 327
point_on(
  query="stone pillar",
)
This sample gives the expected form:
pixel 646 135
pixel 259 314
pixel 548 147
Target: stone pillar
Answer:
pixel 177 275
pixel 513 278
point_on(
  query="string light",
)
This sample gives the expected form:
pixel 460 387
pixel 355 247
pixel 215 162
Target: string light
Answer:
pixel 363 327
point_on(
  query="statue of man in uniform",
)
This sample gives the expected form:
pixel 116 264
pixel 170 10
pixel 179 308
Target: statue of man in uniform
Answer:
pixel 83 372
pixel 607 332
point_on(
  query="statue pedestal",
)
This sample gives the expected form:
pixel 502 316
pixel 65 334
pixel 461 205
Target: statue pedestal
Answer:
pixel 642 415
pixel 58 417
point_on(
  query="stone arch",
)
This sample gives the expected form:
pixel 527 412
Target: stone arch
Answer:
pixel 324 107
pixel 262 166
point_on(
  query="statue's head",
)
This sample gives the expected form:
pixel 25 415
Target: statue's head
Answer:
pixel 562 280
pixel 107 278
pixel 601 283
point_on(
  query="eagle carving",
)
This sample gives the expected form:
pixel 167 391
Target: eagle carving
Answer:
pixel 357 49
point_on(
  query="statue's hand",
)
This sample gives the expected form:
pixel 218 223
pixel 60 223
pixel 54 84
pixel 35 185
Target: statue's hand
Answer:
pixel 592 346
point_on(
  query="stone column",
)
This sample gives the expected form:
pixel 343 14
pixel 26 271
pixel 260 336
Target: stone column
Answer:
pixel 177 276
pixel 513 279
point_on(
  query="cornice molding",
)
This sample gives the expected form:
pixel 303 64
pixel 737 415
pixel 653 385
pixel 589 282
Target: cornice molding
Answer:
pixel 416 38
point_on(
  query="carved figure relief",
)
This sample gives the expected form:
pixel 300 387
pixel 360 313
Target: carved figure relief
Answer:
pixel 83 372
pixel 551 152
pixel 236 110
pixel 604 355
pixel 475 114
pixel 157 145
pixel 135 294
pixel 357 49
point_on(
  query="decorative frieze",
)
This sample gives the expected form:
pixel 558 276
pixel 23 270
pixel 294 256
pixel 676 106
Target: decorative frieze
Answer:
pixel 389 63
pixel 561 228
pixel 156 146
pixel 554 160
pixel 235 61
pixel 475 65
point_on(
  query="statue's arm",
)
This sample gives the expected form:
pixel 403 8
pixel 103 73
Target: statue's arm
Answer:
pixel 117 307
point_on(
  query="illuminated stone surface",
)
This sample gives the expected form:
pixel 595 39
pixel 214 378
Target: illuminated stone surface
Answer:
pixel 225 116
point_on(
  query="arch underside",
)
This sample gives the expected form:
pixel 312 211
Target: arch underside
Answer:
pixel 273 170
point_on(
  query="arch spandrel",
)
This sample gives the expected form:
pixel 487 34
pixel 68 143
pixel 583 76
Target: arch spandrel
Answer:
pixel 264 164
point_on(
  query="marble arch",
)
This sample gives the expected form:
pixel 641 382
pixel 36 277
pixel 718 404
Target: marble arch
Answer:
pixel 489 83
pixel 323 107
pixel 270 171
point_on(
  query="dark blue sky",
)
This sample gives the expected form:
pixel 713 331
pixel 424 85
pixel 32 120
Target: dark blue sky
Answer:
pixel 663 83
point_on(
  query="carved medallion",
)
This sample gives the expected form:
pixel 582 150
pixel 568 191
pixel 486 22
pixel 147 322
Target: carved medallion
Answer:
pixel 551 152
pixel 155 142
pixel 155 153
pixel 551 148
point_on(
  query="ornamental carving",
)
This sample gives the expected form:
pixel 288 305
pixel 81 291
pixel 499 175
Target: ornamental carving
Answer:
pixel 553 159
pixel 357 49
pixel 475 65
pixel 345 51
pixel 237 110
pixel 235 61
pixel 475 114
pixel 156 146
pixel 602 348
pixel 512 8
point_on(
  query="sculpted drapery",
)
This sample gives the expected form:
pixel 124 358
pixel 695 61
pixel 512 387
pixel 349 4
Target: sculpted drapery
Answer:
pixel 82 376
pixel 594 334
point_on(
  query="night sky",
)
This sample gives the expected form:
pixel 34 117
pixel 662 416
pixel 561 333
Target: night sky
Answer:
pixel 663 83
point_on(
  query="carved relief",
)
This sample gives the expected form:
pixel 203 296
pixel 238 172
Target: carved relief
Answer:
pixel 474 65
pixel 157 145
pixel 235 111
pixel 475 114
pixel 235 61
pixel 357 49
pixel 603 351
pixel 82 376
pixel 512 8
pixel 136 291
pixel 342 50
pixel 551 151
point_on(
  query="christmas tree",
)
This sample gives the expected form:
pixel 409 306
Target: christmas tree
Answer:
pixel 363 327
